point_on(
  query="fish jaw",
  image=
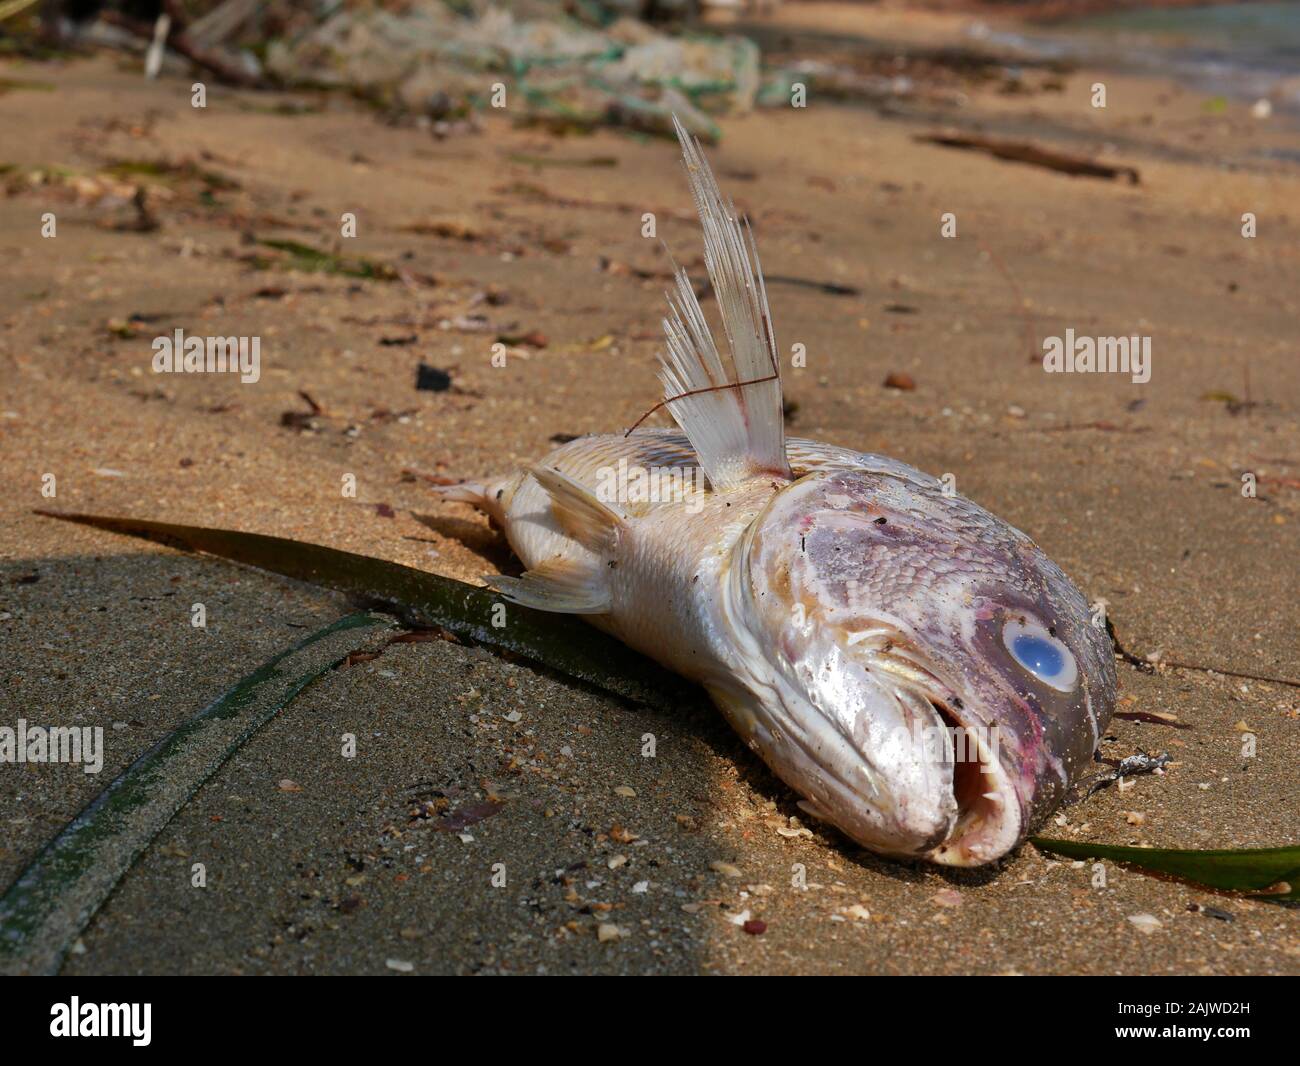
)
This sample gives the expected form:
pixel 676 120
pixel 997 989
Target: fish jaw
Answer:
pixel 900 807
pixel 869 754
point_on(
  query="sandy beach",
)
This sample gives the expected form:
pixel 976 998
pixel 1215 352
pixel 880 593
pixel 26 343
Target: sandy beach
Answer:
pixel 512 232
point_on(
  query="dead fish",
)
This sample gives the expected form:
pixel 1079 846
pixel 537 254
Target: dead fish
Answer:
pixel 919 671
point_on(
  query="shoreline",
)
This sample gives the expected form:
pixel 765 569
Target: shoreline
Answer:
pixel 995 34
pixel 1049 12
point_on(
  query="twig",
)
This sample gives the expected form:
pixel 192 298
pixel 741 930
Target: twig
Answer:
pixel 182 45
pixel 222 21
pixel 696 392
pixel 1146 666
pixel 432 479
pixel 1102 426
pixel 197 54
pixel 1025 152
pixel 829 287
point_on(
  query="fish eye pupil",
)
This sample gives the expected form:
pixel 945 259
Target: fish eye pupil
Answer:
pixel 1037 655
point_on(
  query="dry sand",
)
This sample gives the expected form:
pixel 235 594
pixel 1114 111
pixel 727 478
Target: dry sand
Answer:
pixel 1134 489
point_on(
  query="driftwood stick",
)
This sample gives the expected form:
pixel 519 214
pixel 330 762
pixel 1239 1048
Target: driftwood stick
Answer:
pixel 222 21
pixel 1025 152
pixel 180 43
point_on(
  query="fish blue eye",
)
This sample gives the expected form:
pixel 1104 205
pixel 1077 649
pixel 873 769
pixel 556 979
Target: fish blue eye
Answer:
pixel 1038 652
pixel 1038 656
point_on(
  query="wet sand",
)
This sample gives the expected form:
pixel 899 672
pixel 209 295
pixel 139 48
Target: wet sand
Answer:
pixel 1133 489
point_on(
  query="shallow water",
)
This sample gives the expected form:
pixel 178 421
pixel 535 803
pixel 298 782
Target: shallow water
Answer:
pixel 1235 50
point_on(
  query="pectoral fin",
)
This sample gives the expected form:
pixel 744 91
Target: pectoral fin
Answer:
pixel 562 586
pixel 570 584
pixel 592 522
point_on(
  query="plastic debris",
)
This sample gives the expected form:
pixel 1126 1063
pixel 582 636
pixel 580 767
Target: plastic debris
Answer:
pixel 440 61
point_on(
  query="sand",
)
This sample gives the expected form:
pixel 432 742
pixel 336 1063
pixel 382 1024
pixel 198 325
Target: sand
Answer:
pixel 1133 488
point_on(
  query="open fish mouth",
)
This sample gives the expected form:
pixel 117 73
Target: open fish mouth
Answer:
pixel 987 820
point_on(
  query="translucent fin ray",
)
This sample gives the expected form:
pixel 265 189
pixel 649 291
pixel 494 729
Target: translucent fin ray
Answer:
pixel 736 431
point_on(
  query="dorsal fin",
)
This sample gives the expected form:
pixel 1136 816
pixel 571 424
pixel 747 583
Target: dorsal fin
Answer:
pixel 738 433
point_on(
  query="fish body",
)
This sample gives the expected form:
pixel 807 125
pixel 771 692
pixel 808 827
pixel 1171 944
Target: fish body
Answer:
pixel 917 669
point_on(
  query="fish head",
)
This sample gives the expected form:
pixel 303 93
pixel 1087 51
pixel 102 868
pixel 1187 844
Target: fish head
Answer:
pixel 933 682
